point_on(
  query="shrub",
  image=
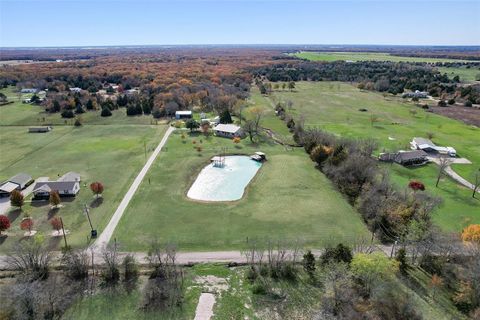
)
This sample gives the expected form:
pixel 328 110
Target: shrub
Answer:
pixel 77 123
pixel 401 257
pixel 130 268
pixel 106 112
pixel 468 103
pixel 308 263
pixel 56 223
pixel 471 233
pixel 451 101
pixel 4 223
pixel 76 264
pixel 340 253
pixel 260 286
pixel 442 103
pixel 26 224
pixel 432 264
pixel 68 114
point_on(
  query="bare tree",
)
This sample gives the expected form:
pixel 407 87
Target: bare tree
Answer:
pixel 111 272
pixel 31 259
pixel 443 164
pixel 165 286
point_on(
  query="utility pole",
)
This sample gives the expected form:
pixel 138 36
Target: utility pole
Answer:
pixel 93 232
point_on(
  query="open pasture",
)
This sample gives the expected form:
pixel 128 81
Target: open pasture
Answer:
pixel 335 107
pixel 287 199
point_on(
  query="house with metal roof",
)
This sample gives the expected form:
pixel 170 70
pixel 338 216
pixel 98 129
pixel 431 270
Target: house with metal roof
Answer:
pixel 228 130
pixel 183 114
pixel 430 147
pixel 23 180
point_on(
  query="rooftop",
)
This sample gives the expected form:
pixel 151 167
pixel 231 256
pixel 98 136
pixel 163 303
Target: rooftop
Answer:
pixel 226 128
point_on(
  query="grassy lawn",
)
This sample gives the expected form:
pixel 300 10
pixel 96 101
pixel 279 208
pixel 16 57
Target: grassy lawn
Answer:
pixel 465 74
pixel 22 114
pixel 288 198
pixel 366 56
pixel 113 154
pixel 334 107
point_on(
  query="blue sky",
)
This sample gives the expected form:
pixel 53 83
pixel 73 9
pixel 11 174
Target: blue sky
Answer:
pixel 144 22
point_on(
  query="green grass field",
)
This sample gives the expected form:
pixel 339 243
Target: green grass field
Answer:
pixel 334 107
pixel 111 153
pixel 288 198
pixel 366 56
pixel 465 74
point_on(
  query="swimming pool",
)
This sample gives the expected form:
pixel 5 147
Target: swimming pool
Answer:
pixel 224 184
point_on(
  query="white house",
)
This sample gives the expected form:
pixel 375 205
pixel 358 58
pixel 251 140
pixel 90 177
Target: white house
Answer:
pixel 429 147
pixel 28 90
pixel 228 130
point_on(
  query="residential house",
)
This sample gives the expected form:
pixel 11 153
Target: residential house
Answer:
pixel 28 90
pixel 228 130
pixel 64 188
pixel 406 158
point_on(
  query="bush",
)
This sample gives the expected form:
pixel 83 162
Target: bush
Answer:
pixel 260 286
pixel 77 123
pixel 68 114
pixel 130 268
pixel 442 103
pixel 451 101
pixel 340 253
pixel 106 112
pixel 76 264
pixel 432 264
pixel 468 103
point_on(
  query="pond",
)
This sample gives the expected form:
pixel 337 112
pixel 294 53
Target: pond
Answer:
pixel 225 183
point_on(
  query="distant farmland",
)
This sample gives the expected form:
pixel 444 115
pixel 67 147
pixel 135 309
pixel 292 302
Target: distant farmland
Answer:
pixel 367 56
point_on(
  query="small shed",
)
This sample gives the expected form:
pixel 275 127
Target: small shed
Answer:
pixel 39 129
pixel 183 114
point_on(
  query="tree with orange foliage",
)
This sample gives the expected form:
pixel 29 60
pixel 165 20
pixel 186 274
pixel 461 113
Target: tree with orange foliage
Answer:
pixel 97 188
pixel 436 282
pixel 471 234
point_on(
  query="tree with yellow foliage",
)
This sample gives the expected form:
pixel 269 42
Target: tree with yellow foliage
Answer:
pixel 471 234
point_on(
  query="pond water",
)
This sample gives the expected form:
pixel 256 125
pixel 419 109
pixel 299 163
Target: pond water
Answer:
pixel 225 183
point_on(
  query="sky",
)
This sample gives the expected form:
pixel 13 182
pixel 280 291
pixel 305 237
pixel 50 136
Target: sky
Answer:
pixel 30 23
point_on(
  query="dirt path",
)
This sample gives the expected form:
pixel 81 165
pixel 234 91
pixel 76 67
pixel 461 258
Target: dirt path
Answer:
pixel 105 236
pixel 205 304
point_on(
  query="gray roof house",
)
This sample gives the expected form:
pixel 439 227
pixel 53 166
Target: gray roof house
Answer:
pixel 70 176
pixel 64 188
pixel 228 130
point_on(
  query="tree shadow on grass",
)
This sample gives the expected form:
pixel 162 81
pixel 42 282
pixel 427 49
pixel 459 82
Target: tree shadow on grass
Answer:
pixel 52 212
pixel 97 202
pixel 3 237
pixel 38 203
pixel 14 214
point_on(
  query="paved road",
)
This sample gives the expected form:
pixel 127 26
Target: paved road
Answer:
pixel 105 236
pixel 452 174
